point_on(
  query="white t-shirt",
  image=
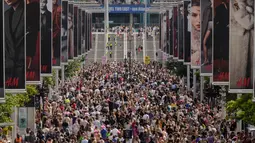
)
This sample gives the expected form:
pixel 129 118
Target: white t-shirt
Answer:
pixel 115 132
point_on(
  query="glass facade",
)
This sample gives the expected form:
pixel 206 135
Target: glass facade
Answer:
pixel 123 19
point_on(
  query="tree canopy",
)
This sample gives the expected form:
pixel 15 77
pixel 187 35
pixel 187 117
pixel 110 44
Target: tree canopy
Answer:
pixel 242 108
pixel 12 100
pixel 177 68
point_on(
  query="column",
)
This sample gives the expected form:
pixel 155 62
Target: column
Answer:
pixel 56 79
pixel 154 46
pixel 188 77
pixel 145 26
pixel 201 88
pixel 63 74
pixel 194 83
pixel 106 25
pixel 135 52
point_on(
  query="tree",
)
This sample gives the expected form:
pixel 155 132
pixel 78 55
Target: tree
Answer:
pixel 242 108
pixel 177 68
pixel 18 100
pixel 51 79
pixel 73 67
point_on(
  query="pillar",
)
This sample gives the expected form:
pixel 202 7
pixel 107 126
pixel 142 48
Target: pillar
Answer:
pixel 194 83
pixel 188 77
pixel 106 25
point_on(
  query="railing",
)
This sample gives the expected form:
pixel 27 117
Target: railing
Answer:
pixel 134 2
pixel 111 25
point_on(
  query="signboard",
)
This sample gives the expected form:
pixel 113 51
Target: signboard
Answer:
pixel 104 60
pixel 127 8
pixel 147 60
pixel 22 118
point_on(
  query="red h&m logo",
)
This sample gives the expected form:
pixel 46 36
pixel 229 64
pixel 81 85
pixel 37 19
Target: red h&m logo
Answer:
pixel 223 76
pixel 30 75
pixel 54 61
pixel 44 68
pixel 243 82
pixel 12 82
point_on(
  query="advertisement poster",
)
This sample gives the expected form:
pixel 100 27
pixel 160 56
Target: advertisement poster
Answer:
pixel 167 32
pixel 2 74
pixel 90 31
pixel 221 42
pixel 79 40
pixel 64 33
pixel 160 31
pixel 187 31
pixel 56 33
pixel 171 32
pixel 22 118
pixel 15 59
pixel 86 31
pixel 75 34
pixel 83 16
pixel 241 46
pixel 206 38
pixel 175 43
pixel 195 34
pixel 164 32
pixel 180 31
pixel 46 37
pixel 33 50
pixel 70 32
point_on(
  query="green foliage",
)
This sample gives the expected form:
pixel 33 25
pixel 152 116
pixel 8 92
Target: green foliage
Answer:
pixel 51 79
pixel 72 67
pixel 242 109
pixel 18 100
pixel 177 68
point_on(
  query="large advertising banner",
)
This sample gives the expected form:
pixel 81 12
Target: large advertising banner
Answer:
pixel 160 31
pixel 46 37
pixel 64 33
pixel 79 40
pixel 171 32
pixel 83 16
pixel 33 50
pixel 187 31
pixel 167 32
pixel 206 38
pixel 241 46
pixel 175 43
pixel 70 32
pixel 221 42
pixel 180 32
pixel 195 34
pixel 164 32
pixel 56 34
pixel 15 49
pixel 90 31
pixel 2 74
pixel 86 31
pixel 75 18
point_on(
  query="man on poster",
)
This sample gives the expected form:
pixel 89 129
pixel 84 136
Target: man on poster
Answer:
pixel 14 45
pixel 56 32
pixel 32 37
pixel 45 37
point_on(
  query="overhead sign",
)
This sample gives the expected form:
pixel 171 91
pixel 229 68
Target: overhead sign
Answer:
pixel 147 60
pixel 126 8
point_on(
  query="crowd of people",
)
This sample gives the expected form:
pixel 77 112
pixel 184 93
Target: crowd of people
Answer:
pixel 108 103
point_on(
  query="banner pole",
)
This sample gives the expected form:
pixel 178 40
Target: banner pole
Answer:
pixel 188 77
pixel 56 78
pixel 63 74
pixel 194 83
pixel 201 89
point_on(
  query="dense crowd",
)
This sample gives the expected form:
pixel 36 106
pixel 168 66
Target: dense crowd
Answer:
pixel 110 104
